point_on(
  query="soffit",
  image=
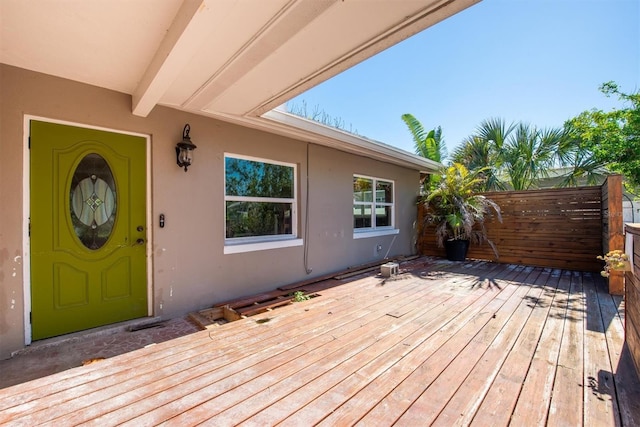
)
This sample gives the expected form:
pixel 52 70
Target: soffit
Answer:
pixel 229 59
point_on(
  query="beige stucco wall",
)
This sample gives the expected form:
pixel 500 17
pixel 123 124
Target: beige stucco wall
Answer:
pixel 190 270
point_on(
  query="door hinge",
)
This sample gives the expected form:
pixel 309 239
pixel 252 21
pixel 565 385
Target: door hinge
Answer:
pixel 29 143
pixel 30 318
pixel 29 228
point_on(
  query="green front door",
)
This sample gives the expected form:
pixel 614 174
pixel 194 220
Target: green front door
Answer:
pixel 88 228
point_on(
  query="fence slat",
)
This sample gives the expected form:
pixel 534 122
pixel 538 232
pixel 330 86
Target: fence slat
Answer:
pixel 559 228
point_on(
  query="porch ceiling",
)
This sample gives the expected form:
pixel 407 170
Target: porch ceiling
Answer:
pixel 230 59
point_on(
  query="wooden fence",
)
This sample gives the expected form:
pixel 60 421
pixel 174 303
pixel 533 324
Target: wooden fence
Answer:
pixel 632 299
pixel 560 228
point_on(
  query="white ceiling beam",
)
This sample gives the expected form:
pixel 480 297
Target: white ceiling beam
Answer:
pixel 183 40
pixel 294 17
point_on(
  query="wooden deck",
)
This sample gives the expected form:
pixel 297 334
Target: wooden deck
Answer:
pixel 439 344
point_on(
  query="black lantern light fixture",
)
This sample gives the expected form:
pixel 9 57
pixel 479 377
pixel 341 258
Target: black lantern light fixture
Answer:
pixel 184 149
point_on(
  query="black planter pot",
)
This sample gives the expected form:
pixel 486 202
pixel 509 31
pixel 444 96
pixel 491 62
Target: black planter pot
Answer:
pixel 456 249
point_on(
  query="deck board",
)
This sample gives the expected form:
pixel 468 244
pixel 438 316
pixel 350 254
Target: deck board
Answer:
pixel 535 396
pixel 393 377
pixel 488 348
pixel 600 392
pixel 495 381
pixel 567 402
pixel 441 343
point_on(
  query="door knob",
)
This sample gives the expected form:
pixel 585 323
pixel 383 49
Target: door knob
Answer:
pixel 140 228
pixel 140 242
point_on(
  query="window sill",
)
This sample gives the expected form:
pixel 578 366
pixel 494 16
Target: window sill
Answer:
pixel 261 246
pixel 375 233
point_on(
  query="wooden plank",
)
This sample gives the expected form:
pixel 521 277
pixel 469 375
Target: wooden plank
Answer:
pixel 275 392
pixel 535 397
pixel 325 393
pixel 201 321
pixel 394 404
pixel 230 314
pixel 118 381
pixel 632 301
pixel 477 365
pixel 28 393
pixel 626 380
pixel 331 362
pixel 487 396
pixel 204 383
pixel 346 273
pixel 614 209
pixel 600 405
pixel 267 374
pixel 373 392
pixel 313 381
pixel 567 401
pixel 70 378
pixel 251 299
pixel 265 306
pixel 335 396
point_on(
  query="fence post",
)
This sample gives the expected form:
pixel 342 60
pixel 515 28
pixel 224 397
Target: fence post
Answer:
pixel 613 227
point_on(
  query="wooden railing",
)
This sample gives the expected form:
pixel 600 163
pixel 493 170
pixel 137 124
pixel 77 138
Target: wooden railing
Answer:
pixel 632 298
pixel 560 228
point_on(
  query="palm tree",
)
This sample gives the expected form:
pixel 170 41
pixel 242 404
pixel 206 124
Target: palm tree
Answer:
pixel 518 155
pixel 427 144
pixel 529 155
pixel 477 153
pixel 576 156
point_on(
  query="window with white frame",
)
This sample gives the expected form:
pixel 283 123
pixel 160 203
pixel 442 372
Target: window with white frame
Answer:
pixel 373 200
pixel 260 199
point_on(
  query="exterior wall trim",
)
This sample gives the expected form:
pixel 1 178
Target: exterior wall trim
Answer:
pixel 376 233
pixel 261 246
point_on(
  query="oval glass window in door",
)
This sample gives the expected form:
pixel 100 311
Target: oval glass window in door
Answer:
pixel 93 201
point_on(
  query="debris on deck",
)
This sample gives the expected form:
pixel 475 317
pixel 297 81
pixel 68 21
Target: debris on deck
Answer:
pixel 243 307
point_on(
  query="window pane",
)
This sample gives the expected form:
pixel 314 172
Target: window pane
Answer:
pixel 362 188
pixel 250 219
pixel 257 179
pixel 383 216
pixel 362 216
pixel 93 200
pixel 384 192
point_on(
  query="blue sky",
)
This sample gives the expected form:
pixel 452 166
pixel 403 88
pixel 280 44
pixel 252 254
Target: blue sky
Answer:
pixel 536 61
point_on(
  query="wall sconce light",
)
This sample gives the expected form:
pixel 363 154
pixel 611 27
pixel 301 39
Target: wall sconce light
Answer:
pixel 184 149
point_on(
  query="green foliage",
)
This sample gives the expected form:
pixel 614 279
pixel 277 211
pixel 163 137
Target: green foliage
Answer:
pixel 517 155
pixel 615 260
pixel 456 209
pixel 257 179
pixel 247 178
pixel 480 154
pixel 429 145
pixel 612 138
pixel 299 296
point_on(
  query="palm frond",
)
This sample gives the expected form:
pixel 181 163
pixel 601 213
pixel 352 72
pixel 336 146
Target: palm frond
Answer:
pixel 417 130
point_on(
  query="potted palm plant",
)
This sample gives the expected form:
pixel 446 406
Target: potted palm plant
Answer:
pixel 458 212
